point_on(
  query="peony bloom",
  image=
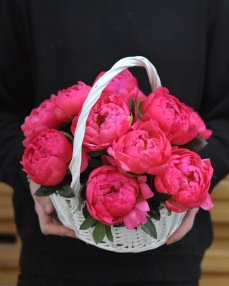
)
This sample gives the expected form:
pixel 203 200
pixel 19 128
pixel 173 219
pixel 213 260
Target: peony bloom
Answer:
pixel 113 197
pixel 172 116
pixel 46 158
pixel 68 102
pixel 197 125
pixel 85 158
pixel 187 179
pixel 109 119
pixel 124 85
pixel 144 149
pixel 40 119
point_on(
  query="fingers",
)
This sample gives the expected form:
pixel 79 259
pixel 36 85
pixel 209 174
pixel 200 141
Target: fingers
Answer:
pixel 50 224
pixel 185 226
pixel 48 220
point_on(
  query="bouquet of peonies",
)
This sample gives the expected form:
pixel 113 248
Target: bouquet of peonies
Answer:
pixel 118 161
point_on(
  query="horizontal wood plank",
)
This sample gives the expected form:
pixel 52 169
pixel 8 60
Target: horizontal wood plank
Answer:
pixel 8 277
pixel 220 212
pixel 7 228
pixel 5 189
pixel 9 255
pixel 221 231
pixel 214 280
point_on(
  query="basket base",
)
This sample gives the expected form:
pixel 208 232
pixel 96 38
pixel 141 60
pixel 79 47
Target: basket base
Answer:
pixel 124 240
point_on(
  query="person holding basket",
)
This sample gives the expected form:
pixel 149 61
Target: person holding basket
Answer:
pixel 47 47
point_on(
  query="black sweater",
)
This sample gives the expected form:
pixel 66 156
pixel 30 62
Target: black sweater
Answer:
pixel 48 45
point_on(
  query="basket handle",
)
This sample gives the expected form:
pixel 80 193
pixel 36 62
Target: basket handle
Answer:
pixel 91 99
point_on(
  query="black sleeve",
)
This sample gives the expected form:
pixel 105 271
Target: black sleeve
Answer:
pixel 215 104
pixel 16 88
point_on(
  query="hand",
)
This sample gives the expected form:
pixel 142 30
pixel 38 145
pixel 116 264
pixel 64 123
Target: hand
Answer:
pixel 49 222
pixel 185 226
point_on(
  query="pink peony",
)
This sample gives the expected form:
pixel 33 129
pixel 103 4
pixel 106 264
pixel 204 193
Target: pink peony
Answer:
pixel 113 197
pixel 124 85
pixel 46 158
pixel 85 158
pixel 40 119
pixel 68 102
pixel 109 119
pixel 144 149
pixel 187 179
pixel 197 125
pixel 172 116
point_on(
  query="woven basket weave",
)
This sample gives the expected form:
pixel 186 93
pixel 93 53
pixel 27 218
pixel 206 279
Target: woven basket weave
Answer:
pixel 69 211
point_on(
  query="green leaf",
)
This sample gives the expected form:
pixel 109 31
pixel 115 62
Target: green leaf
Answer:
pixel 69 136
pixel 139 108
pixel 66 191
pixel 196 144
pixel 66 127
pixel 45 191
pixel 88 222
pixel 162 204
pixel 85 211
pixel 150 228
pixel 99 232
pixel 155 213
pixel 109 233
pixel 82 193
pixel 132 107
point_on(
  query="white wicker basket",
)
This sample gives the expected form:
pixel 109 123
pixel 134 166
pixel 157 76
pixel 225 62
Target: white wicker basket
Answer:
pixel 70 210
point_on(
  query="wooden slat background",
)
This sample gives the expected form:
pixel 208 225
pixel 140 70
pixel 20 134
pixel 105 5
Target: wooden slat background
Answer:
pixel 215 266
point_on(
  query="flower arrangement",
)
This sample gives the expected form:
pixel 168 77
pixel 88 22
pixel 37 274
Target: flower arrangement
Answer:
pixel 139 154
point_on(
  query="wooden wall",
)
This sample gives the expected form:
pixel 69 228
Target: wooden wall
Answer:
pixel 9 242
pixel 215 266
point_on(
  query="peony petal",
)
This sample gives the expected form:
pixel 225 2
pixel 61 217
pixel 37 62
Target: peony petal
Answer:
pixel 142 206
pixel 207 204
pixel 134 218
pixel 146 191
pixel 175 207
pixel 108 160
pixel 158 169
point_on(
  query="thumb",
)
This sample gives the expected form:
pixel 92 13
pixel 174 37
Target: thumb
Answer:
pixel 185 226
